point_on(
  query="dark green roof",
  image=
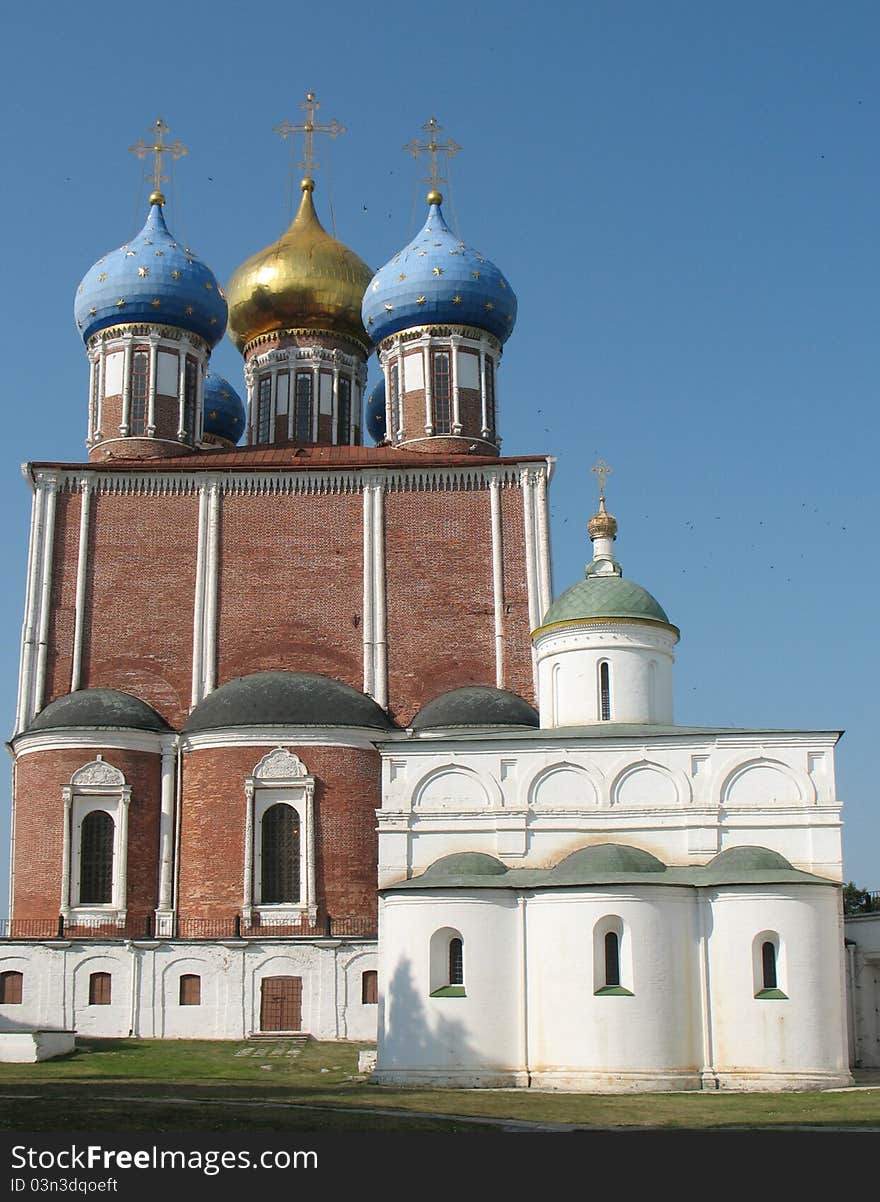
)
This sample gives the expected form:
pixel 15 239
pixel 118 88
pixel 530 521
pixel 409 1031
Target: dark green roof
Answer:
pixel 612 864
pixel 91 708
pixel 286 699
pixel 476 706
pixel 605 597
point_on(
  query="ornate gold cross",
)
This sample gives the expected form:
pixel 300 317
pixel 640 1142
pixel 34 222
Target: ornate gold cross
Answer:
pixel 433 148
pixel 157 148
pixel 308 129
pixel 601 471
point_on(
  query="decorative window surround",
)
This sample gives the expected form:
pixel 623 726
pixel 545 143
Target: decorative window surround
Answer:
pixel 95 786
pixel 280 776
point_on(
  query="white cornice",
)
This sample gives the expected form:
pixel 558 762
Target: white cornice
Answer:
pixel 276 736
pixel 73 739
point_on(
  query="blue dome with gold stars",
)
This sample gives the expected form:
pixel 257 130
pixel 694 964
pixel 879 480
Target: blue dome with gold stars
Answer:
pixel 437 280
pixel 151 279
pixel 224 409
pixel 374 413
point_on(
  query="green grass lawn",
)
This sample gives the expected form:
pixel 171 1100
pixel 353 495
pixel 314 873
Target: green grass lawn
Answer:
pixel 170 1085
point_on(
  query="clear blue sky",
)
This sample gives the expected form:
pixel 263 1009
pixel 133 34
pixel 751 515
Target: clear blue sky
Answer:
pixel 684 196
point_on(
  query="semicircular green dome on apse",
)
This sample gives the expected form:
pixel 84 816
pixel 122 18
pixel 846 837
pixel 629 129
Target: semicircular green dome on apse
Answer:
pixel 605 597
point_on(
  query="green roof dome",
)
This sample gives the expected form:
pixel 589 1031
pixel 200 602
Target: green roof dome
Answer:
pixel 465 863
pixel 605 597
pixel 606 857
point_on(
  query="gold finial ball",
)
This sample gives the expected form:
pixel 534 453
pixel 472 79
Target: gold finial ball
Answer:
pixel 434 197
pixel 602 524
pixel 157 198
pixel 307 184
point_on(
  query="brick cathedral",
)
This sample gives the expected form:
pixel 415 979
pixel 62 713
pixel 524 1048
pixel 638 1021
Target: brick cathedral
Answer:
pixel 230 605
pixel 304 743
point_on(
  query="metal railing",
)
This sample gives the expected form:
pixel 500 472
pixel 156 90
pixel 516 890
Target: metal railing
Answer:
pixel 863 901
pixel 232 926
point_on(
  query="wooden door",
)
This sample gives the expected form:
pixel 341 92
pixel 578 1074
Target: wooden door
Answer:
pixel 281 1004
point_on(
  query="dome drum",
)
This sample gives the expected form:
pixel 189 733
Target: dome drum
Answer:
pixel 147 392
pixel 305 389
pixel 440 390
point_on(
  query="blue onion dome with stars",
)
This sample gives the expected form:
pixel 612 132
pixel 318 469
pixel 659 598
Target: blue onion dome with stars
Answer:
pixel 153 278
pixel 224 409
pixel 437 280
pixel 374 413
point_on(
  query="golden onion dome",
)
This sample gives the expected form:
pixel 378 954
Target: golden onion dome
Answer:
pixel 602 524
pixel 304 281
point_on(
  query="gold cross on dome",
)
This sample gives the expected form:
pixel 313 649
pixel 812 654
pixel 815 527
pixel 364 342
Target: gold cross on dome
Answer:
pixel 157 148
pixel 433 148
pixel 308 129
pixel 601 471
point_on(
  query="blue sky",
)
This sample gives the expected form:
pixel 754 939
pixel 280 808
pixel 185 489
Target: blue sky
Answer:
pixel 683 195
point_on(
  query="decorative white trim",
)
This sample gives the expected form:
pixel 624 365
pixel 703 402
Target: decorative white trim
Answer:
pixel 198 678
pixel 45 600
pixel 264 788
pixel 357 737
pixel 280 765
pixel 95 786
pixel 84 739
pixel 28 625
pixel 367 620
pixel 380 643
pixel 166 830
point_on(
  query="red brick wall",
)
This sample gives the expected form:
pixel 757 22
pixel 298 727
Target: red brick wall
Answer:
pixel 39 827
pixel 291 586
pixel 212 833
pixel 517 634
pixel 440 599
pixel 139 602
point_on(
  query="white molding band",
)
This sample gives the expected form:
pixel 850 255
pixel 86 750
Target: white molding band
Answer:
pixel 211 587
pixel 28 626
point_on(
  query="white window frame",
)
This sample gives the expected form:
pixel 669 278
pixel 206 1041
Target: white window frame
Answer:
pixel 279 778
pixel 95 786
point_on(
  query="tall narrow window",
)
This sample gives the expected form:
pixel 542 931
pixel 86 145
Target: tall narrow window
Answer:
pixel 440 393
pixel 456 962
pixel 264 403
pixel 490 397
pixel 302 418
pixel 343 411
pixel 96 859
pixel 612 959
pixel 395 402
pixel 604 692
pixel 370 988
pixel 190 990
pixel 768 965
pixel 10 988
pixel 280 855
pixel 137 408
pixel 99 989
pixel 190 378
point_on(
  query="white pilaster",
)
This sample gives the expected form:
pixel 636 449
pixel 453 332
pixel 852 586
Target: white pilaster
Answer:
pixel 316 401
pixel 380 642
pixel 29 624
pixel 199 602
pixel 122 857
pixel 367 621
pixel 99 405
pixel 151 391
pixel 166 832
pixel 273 400
pixel 334 408
pixel 67 796
pixel 45 598
pixel 399 399
pixel 248 893
pixel 126 390
pixel 212 574
pixel 181 392
pixel 543 543
pixel 456 415
pixel 429 404
pixel 484 415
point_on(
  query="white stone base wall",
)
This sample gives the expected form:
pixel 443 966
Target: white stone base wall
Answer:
pixel 145 986
pixel 863 988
